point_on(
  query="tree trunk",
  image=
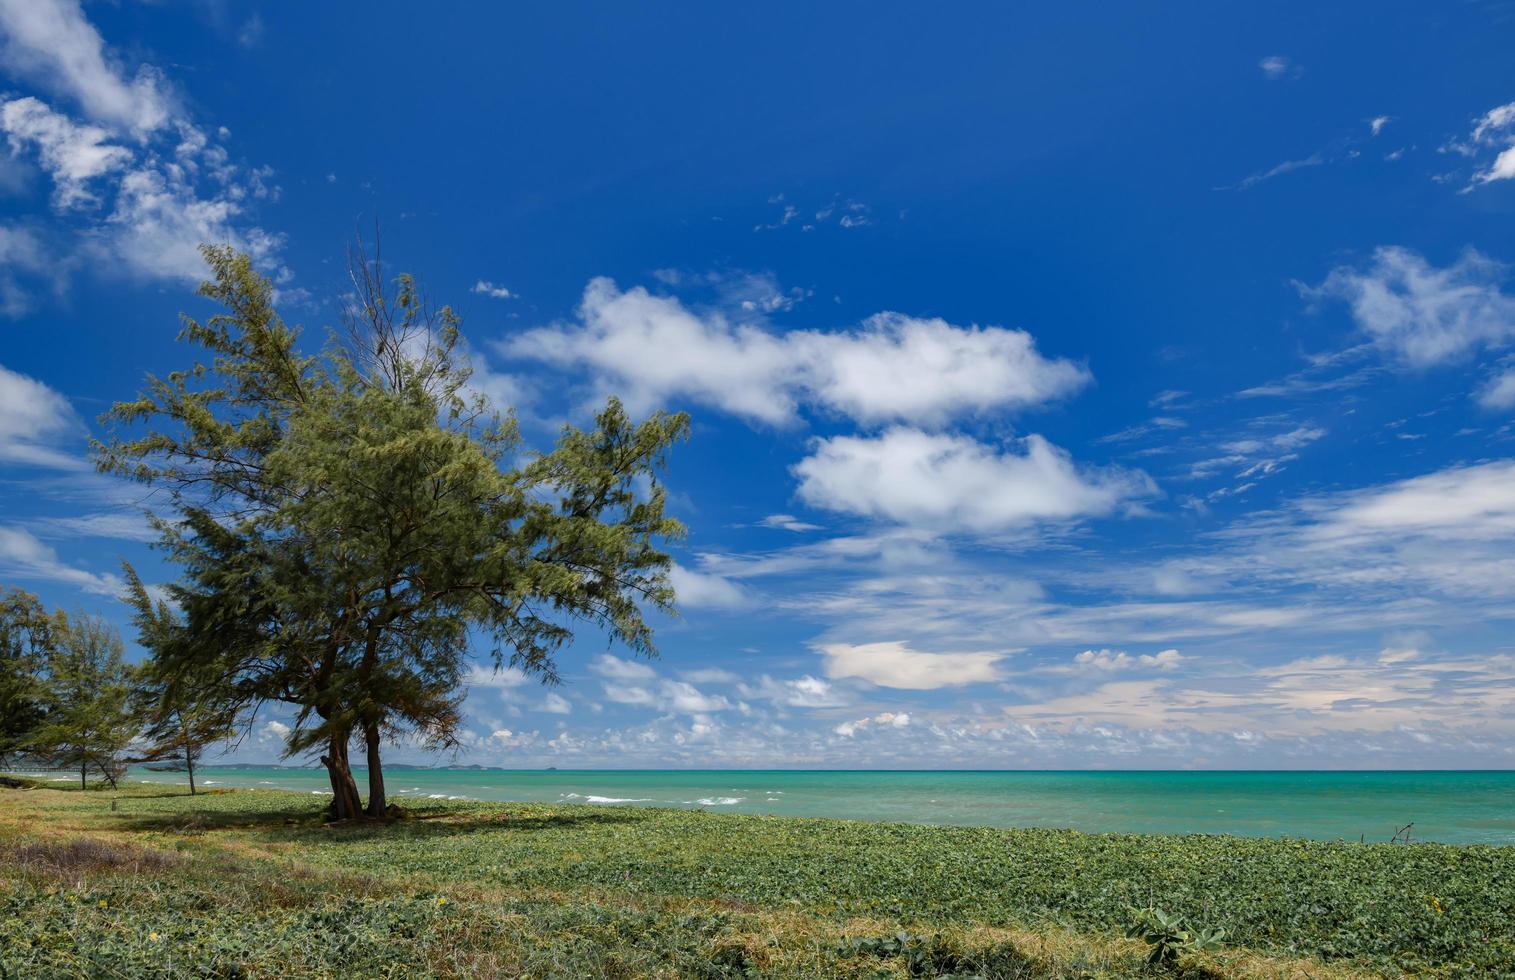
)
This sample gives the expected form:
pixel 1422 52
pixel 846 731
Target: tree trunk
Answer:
pixel 345 804
pixel 378 806
pixel 189 767
pixel 84 774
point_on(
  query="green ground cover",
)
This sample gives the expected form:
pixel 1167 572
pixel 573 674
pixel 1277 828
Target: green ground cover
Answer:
pixel 251 883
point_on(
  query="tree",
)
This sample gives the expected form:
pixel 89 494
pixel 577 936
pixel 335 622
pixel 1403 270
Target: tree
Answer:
pixel 89 721
pixel 347 521
pixel 26 632
pixel 181 718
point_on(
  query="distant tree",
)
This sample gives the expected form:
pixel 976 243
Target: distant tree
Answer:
pixel 90 720
pixel 26 634
pixel 346 521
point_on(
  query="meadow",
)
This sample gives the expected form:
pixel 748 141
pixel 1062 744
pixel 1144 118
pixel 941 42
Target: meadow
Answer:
pixel 149 882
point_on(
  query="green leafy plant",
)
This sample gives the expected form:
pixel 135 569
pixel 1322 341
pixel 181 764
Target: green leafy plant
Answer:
pixel 1169 935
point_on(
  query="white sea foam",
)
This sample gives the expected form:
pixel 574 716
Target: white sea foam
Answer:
pixel 606 799
pixel 717 800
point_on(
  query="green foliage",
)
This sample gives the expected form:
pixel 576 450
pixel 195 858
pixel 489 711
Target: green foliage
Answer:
pixel 180 718
pixel 536 890
pixel 348 520
pixel 26 638
pixel 1170 936
pixel 1425 909
pixel 87 688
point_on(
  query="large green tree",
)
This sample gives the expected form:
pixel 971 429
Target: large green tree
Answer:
pixel 348 521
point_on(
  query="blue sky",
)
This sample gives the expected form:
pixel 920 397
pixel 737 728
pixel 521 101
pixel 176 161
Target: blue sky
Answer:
pixel 1072 387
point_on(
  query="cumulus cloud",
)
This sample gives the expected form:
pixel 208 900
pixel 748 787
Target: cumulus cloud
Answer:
pixel 1424 314
pixel 1493 135
pixel 51 44
pixel 1113 660
pixel 33 420
pixel 653 349
pixel 140 186
pixel 485 288
pixel 954 483
pixel 74 154
pixel 662 694
pixel 884 719
pixel 798 692
pixel 894 664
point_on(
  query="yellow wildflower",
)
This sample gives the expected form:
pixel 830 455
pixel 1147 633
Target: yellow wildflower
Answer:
pixel 104 903
pixel 153 936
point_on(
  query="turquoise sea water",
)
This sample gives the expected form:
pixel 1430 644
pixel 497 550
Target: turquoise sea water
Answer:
pixel 1454 807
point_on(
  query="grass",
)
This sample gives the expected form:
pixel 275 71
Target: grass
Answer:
pixel 251 883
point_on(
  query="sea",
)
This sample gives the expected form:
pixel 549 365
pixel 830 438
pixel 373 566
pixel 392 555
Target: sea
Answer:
pixel 1460 807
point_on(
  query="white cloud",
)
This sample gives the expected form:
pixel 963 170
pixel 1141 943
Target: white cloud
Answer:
pixel 1494 132
pixel 161 219
pixel 1499 392
pixel 685 698
pixel 1288 166
pixel 924 371
pixel 503 680
pixel 1112 660
pixel 1424 314
pixel 556 704
pixel 1475 501
pixel 648 691
pixel 614 668
pixel 147 186
pixel 1277 66
pixel 24 557
pixel 894 664
pixel 1377 123
pixel 798 692
pixel 52 44
pixel 698 590
pixel 954 483
pixel 709 675
pixel 33 419
pixel 884 719
pixel 485 288
pixel 122 526
pixel 652 349
pixel 74 154
pixel 787 522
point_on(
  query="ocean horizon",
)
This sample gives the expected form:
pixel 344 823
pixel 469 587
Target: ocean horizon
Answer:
pixel 1469 806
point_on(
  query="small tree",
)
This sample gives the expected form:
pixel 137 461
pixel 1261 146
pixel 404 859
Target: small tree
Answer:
pixel 90 720
pixel 26 635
